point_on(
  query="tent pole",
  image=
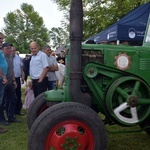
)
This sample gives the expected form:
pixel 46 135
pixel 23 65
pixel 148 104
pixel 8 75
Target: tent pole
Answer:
pixel 118 42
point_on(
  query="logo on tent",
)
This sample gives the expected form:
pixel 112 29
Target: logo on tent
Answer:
pixel 112 34
pixel 131 33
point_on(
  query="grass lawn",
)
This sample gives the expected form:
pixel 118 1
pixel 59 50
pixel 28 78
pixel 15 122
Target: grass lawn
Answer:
pixel 127 140
pixel 17 137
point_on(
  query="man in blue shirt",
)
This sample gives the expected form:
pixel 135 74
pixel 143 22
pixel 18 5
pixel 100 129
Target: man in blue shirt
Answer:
pixel 3 79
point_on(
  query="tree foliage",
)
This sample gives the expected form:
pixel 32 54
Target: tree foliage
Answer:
pixel 59 37
pixel 99 14
pixel 23 26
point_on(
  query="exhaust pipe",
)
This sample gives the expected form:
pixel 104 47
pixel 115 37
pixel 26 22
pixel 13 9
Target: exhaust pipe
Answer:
pixel 76 34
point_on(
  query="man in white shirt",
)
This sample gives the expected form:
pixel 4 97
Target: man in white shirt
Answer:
pixel 19 74
pixel 38 69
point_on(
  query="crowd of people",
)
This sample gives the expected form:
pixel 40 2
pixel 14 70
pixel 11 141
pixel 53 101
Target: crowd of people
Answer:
pixel 44 69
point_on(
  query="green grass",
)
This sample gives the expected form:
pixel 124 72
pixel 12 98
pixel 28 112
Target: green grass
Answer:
pixel 128 140
pixel 17 137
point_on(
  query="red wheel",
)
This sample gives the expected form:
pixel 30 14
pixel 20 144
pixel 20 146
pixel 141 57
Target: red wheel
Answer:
pixel 70 134
pixel 67 126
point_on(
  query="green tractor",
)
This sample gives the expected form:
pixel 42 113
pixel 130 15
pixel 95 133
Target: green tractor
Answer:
pixel 112 80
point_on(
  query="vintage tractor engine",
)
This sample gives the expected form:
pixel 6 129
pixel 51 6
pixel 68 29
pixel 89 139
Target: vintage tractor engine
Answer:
pixel 100 78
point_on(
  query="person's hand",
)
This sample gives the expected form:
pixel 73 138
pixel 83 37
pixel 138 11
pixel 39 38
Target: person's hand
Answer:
pixel 22 80
pixel 4 81
pixel 39 81
pixel 15 84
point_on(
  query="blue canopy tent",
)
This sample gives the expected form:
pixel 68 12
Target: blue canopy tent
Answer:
pixel 130 28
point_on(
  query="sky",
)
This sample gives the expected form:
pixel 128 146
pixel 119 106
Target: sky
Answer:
pixel 46 8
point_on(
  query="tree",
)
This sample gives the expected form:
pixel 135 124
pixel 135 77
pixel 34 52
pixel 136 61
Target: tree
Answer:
pixel 99 14
pixel 23 26
pixel 59 37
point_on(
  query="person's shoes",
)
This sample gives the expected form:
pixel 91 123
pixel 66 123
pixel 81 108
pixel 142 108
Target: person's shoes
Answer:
pixel 14 120
pixel 5 123
pixel 2 130
pixel 20 114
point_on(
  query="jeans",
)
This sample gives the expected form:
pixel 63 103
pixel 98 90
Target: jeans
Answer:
pixel 51 85
pixel 2 89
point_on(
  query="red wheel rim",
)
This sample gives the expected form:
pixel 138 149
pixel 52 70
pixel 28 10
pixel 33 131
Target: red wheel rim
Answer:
pixel 44 107
pixel 70 135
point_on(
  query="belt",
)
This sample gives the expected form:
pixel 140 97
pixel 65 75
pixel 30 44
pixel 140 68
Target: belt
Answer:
pixel 35 79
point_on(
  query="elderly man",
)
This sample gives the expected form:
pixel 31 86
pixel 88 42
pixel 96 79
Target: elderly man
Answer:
pixel 10 94
pixel 38 69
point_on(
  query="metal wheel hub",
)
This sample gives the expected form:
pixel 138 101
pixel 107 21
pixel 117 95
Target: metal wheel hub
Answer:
pixel 70 135
pixel 71 143
pixel 133 101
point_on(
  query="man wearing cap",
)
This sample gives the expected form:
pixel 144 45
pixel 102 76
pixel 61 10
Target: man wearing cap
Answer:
pixel 3 79
pixel 10 94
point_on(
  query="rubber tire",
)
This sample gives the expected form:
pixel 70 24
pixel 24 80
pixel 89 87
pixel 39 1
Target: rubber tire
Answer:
pixel 62 112
pixel 34 109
